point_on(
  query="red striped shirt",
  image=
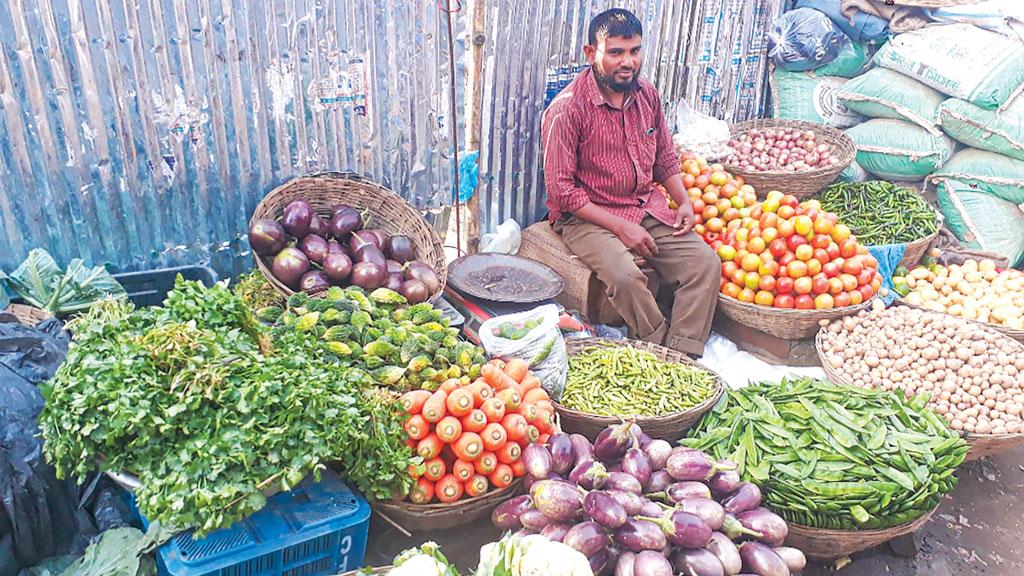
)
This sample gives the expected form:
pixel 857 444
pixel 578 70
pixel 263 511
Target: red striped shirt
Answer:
pixel 605 155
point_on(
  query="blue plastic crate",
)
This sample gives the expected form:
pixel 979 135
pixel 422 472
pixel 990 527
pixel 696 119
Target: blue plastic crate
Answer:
pixel 315 529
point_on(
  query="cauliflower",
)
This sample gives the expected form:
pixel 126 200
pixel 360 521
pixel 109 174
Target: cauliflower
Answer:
pixel 531 556
pixel 427 560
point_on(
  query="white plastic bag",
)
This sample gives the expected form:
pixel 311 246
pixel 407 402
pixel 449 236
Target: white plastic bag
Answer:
pixel 542 346
pixel 701 134
pixel 505 240
pixel 739 368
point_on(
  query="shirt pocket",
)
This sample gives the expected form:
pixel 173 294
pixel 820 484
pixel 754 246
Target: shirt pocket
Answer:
pixel 648 146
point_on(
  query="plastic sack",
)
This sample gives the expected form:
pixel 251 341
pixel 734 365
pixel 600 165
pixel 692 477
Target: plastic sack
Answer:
pixel 804 39
pixel 882 93
pixel 704 135
pixel 888 257
pixel 506 239
pixel 983 221
pixel 862 27
pixel 997 131
pixel 996 174
pixel 801 96
pixel 960 60
pixel 854 173
pixel 469 173
pixel 1003 16
pixel 851 61
pixel 739 368
pixel 898 150
pixel 538 341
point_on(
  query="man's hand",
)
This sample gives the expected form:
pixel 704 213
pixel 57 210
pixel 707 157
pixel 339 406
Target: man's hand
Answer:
pixel 637 239
pixel 684 219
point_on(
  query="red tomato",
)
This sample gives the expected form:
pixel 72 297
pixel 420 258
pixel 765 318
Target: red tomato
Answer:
pixel 852 266
pixel 819 284
pixel 866 291
pixel 835 286
pixel 787 258
pixel 821 241
pixel 833 250
pixel 795 240
pixel 822 256
pixel 865 276
pixel 804 302
pixel 848 249
pixel 767 283
pixel 824 302
pixel 830 270
pixel 778 247
pixel 843 300
pixel 784 301
pixel 784 285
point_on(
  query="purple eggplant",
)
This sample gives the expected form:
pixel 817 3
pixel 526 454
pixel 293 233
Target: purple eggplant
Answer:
pixel 506 515
pixel 582 449
pixel 338 267
pixel 688 489
pixel 623 481
pixel 590 475
pixel 746 497
pixel 414 291
pixel 266 237
pixel 534 520
pixel 373 255
pixel 296 217
pixel 650 508
pixel 636 464
pixel 314 247
pixel 537 460
pixel 624 566
pixel 648 563
pixel 400 248
pixel 604 509
pixel 394 268
pixel 529 481
pixel 637 535
pixel 319 226
pixel 394 283
pixel 586 538
pixel 725 482
pixel 344 221
pixel 708 510
pixel 793 557
pixel 726 552
pixel 697 562
pixel 617 467
pixel 561 453
pixel 424 273
pixel 735 529
pixel 314 282
pixel 558 500
pixel 555 531
pixel 630 501
pixel 611 444
pixel 658 481
pixel 657 453
pixel 367 276
pixel 602 561
pixel 693 465
pixel 523 533
pixel 762 560
pixel 682 529
pixel 289 265
pixel 772 527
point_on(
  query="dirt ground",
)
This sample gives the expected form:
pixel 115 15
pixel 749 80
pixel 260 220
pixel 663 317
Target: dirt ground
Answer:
pixel 976 531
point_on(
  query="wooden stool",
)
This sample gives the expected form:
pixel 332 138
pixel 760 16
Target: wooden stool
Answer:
pixel 583 293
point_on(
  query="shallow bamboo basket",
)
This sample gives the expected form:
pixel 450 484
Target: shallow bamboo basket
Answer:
pixel 785 323
pixel 426 517
pixel 826 545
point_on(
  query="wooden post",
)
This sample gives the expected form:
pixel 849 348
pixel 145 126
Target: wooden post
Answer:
pixel 475 122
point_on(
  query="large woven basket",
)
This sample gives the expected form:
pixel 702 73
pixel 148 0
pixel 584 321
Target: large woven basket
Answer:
pixel 670 427
pixel 799 184
pixel 914 251
pixel 981 445
pixel 425 517
pixel 28 315
pixel 384 209
pixel 826 545
pixel 1017 335
pixel 785 323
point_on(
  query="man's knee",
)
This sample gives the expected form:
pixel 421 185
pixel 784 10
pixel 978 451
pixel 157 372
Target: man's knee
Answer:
pixel 623 278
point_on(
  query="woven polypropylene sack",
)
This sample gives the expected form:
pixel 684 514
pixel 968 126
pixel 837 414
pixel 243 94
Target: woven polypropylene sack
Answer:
pixel 898 150
pixel 982 220
pixel 801 96
pixel 994 173
pixel 997 131
pixel 882 93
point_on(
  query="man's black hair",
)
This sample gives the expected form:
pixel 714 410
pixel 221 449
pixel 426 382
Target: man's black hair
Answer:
pixel 614 22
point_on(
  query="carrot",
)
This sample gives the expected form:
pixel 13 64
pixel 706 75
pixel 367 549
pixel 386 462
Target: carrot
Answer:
pixel 518 468
pixel 532 434
pixel 416 427
pixel 463 470
pixel 477 486
pixel 449 385
pixel 547 405
pixel 411 443
pixel 517 368
pixel 486 464
pixel 509 453
pixel 531 382
pixel 494 409
pixel 433 408
pixel 502 476
pixel 412 401
pixel 416 470
pixel 491 374
pixel 422 492
pixel 429 447
pixel 497 362
pixel 508 382
pixel 448 489
pixel 545 419
pixel 481 392
pixel 434 469
pixel 494 436
pixel 515 426
pixel 510 398
pixel 475 421
pixel 529 412
pixel 459 402
pixel 448 429
pixel 468 447
pixel 535 395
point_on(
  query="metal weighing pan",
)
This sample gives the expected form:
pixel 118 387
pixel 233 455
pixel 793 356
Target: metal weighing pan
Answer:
pixel 504 278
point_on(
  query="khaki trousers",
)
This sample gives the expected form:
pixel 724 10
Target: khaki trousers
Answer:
pixel 685 261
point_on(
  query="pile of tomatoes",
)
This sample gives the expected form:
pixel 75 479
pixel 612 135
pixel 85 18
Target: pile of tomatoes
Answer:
pixel 787 254
pixel 714 193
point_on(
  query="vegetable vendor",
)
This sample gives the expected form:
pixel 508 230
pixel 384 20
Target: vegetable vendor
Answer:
pixel 605 145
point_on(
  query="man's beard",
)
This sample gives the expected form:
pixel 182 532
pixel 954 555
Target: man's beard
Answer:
pixel 609 82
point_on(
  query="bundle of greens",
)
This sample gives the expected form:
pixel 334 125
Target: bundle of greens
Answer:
pixel 210 412
pixel 41 283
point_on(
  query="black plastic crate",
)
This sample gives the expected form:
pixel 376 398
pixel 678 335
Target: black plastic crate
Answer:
pixel 150 287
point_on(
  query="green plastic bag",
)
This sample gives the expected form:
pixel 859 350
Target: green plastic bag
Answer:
pixel 1001 132
pixel 812 98
pixel 994 173
pixel 983 221
pixel 898 150
pixel 882 93
pixel 848 63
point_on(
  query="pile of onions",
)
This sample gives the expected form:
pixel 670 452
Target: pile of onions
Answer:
pixel 975 375
pixel 779 150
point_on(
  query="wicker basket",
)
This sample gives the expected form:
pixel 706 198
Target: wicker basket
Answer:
pixel 670 427
pixel 424 517
pixel 826 545
pixel 28 315
pixel 785 323
pixel 981 445
pixel 914 251
pixel 385 209
pixel 799 184
pixel 1017 335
